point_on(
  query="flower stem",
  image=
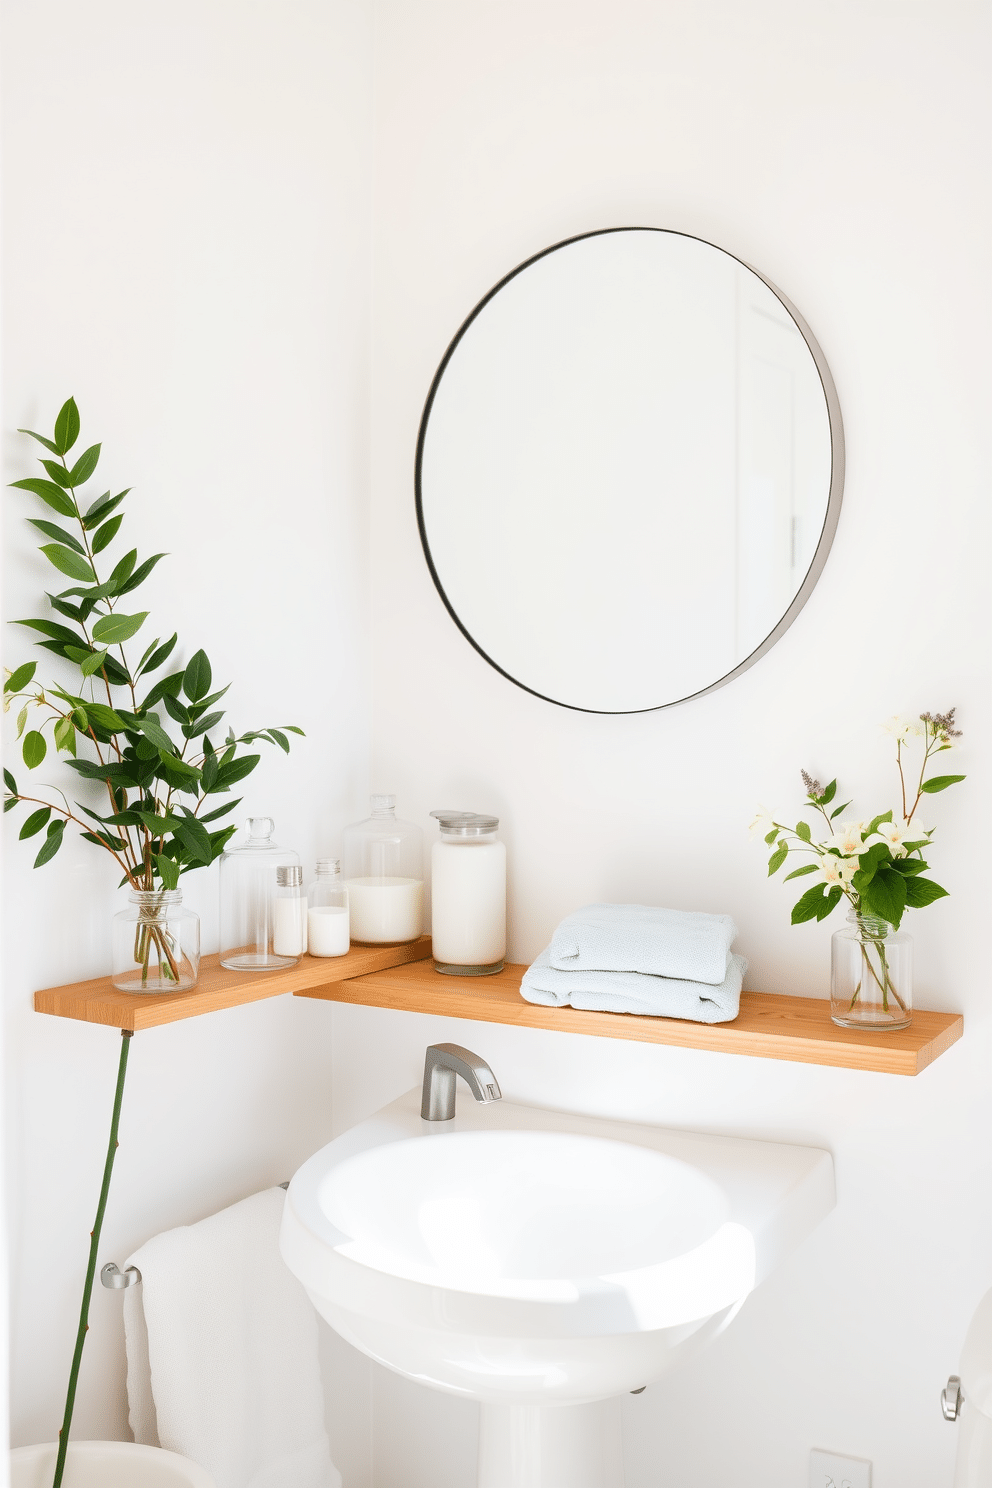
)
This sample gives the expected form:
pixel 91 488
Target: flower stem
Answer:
pixel 84 1310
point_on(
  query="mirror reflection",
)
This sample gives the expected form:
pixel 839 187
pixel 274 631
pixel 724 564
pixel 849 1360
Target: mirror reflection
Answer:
pixel 629 470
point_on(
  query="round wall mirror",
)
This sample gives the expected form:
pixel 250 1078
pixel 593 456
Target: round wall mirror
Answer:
pixel 629 470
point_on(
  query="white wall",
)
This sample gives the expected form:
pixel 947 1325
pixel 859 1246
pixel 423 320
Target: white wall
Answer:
pixel 841 150
pixel 187 252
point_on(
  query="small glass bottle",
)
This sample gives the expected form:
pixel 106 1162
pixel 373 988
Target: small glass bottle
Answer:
pixel 289 912
pixel 327 911
pixel 247 899
pixel 384 876
pixel 156 943
pixel 468 895
pixel 871 974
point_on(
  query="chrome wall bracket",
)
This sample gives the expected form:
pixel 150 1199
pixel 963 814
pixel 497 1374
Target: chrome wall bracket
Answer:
pixel 113 1277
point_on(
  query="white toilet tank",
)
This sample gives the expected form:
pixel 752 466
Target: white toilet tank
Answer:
pixel 973 1467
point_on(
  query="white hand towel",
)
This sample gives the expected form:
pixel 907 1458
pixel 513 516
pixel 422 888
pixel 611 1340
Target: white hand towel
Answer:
pixel 637 937
pixel 635 992
pixel 222 1352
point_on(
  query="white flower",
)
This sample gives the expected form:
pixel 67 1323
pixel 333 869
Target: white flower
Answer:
pixel 895 834
pixel 848 839
pixel 762 823
pixel 902 729
pixel 838 871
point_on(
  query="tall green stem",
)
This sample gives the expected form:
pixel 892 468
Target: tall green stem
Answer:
pixel 84 1310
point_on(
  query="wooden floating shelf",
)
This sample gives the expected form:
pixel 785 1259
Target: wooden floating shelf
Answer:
pixel 769 1026
pixel 99 1001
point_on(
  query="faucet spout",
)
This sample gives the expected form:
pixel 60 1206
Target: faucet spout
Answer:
pixel 444 1062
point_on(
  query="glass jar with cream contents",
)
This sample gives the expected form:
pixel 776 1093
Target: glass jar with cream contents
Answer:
pixel 327 915
pixel 468 895
pixel 384 876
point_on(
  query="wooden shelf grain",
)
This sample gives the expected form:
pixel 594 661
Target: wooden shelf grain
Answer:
pixel 99 1001
pixel 770 1026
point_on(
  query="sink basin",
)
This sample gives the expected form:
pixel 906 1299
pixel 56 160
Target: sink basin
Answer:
pixel 530 1259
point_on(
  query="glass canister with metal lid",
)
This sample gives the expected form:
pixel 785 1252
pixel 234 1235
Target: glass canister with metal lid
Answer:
pixel 468 895
pixel 384 876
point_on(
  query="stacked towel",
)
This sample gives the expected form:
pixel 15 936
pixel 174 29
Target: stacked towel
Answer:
pixel 222 1352
pixel 631 958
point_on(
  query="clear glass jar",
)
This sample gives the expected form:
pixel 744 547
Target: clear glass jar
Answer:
pixel 156 943
pixel 871 974
pixel 468 895
pixel 384 876
pixel 328 932
pixel 247 899
pixel 289 912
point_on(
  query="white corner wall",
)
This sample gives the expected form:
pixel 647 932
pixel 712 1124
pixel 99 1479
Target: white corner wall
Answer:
pixel 186 240
pixel 842 149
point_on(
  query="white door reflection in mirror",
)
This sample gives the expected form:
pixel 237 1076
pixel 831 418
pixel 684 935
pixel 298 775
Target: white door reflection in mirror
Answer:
pixel 629 470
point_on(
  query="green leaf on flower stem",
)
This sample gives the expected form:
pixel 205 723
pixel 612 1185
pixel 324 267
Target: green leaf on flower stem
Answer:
pixel 803 832
pixel 104 717
pixel 228 775
pixel 73 565
pixel 829 793
pixel 201 725
pixel 195 838
pixel 156 655
pixel 923 891
pixel 140 574
pixel 58 533
pixel 58 474
pixel 9 804
pixel 839 810
pixel 153 731
pixel 104 839
pixel 798 872
pixel 939 783
pixel 41 440
pixel 276 735
pixel 66 426
pixel 777 858
pixel 65 736
pixel 11 783
pixel 50 493
pixel 164 687
pixel 207 702
pixel 167 870
pixel 21 677
pixel 113 629
pixel 101 507
pixel 291 728
pixel 815 904
pixel 909 867
pixel 52 843
pixel 22 719
pixel 106 534
pixel 84 466
pixel 93 663
pixel 869 863
pixel 34 749
pixel 885 895
pixel 771 836
pixel 221 810
pixel 208 771
pixel 35 822
pixel 122 572
pixel 197 677
pixel 876 822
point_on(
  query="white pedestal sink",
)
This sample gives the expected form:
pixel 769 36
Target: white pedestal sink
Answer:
pixel 541 1263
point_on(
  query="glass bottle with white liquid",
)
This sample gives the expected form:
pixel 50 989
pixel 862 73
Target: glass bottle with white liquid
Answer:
pixel 384 876
pixel 468 895
pixel 248 897
pixel 289 912
pixel 327 913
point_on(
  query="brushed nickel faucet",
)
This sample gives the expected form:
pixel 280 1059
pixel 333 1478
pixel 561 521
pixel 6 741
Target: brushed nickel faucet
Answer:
pixel 444 1062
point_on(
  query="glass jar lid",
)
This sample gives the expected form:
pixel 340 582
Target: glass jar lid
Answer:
pixel 465 823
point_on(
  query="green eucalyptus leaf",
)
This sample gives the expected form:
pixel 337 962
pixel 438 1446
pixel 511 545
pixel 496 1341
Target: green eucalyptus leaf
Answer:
pixel 228 775
pixel 58 474
pixel 195 838
pixel 122 572
pixel 275 735
pixel 222 810
pixel 22 719
pixel 176 708
pixel 49 445
pixel 152 662
pixel 11 783
pixel 104 717
pixel 84 466
pixel 105 535
pixel 93 663
pixel 52 843
pixel 105 839
pixel 51 494
pixel 214 697
pixel 153 731
pixel 168 870
pixel 197 677
pixel 923 891
pixel 208 772
pixel 165 687
pixel 939 783
pixel 35 822
pixel 58 533
pixel 201 725
pixel 293 728
pixel 73 565
pixel 140 574
pixel 20 677
pixel 798 872
pixel 66 426
pixel 114 629
pixel 34 749
pixel 101 507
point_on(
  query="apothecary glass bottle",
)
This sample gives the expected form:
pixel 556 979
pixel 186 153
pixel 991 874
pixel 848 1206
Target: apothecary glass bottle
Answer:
pixel 871 974
pixel 328 932
pixel 247 899
pixel 468 895
pixel 384 876
pixel 156 943
pixel 289 912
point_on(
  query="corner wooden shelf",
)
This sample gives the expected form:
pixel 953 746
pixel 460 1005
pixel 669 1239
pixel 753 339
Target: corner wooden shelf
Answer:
pixel 769 1026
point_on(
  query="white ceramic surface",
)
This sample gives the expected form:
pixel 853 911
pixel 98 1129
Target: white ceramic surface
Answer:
pixel 106 1465
pixel 527 1257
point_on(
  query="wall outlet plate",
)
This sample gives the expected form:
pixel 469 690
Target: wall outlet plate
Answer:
pixel 828 1470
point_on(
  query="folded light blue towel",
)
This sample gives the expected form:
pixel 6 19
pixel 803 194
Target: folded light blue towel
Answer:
pixel 635 992
pixel 636 937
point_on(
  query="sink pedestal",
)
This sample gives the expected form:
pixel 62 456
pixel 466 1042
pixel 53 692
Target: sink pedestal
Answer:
pixel 550 1446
